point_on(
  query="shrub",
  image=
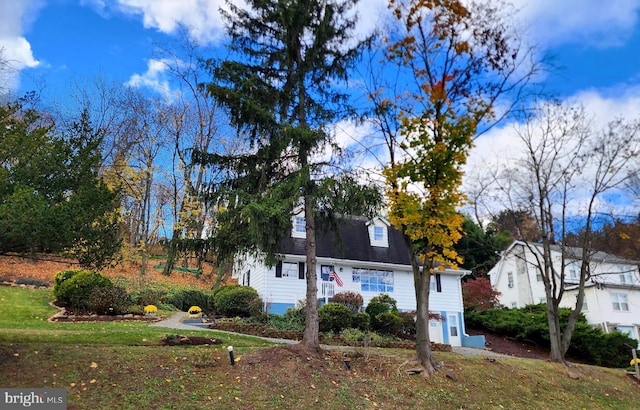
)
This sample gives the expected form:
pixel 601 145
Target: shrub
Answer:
pixel 408 324
pixel 530 324
pixel 352 300
pixel 61 277
pixel 478 294
pixel 377 306
pixel 388 322
pixel 76 291
pixel 361 321
pixel 185 298
pixel 149 297
pixel 109 300
pixel 240 301
pixel 296 316
pixel 334 317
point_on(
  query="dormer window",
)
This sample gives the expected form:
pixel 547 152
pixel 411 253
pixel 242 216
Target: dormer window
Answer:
pixel 378 233
pixel 299 229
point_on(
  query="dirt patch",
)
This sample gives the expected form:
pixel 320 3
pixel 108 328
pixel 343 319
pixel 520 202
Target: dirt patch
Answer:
pixel 510 346
pixel 44 267
pixel 180 340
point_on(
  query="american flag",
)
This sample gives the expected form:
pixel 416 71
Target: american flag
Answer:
pixel 334 276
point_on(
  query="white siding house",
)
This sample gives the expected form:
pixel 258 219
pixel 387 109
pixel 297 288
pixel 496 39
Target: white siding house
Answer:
pixel 366 256
pixel 612 293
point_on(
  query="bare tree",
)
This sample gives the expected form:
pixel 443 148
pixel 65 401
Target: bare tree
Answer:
pixel 566 168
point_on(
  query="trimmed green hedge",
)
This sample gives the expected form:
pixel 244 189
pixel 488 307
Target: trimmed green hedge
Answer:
pixel 529 324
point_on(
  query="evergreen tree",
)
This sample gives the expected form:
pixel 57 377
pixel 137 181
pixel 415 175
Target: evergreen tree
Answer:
pixel 51 196
pixel 279 87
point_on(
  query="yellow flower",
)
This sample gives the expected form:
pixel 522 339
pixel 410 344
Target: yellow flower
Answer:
pixel 150 309
pixel 194 310
pixel 634 361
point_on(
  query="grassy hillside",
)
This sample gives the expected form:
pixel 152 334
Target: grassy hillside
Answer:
pixel 124 365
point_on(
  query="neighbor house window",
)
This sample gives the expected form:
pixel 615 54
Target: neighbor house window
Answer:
pixel 573 273
pixel 300 225
pixel 373 280
pixel 510 279
pixel 539 276
pixel 620 301
pixel 626 275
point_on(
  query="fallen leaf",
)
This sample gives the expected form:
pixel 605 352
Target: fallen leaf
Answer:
pixel 93 365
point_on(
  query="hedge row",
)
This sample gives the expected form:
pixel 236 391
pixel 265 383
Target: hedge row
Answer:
pixel 529 324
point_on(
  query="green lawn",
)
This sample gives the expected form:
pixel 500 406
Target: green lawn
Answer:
pixel 124 366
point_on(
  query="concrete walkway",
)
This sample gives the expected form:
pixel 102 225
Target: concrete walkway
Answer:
pixel 176 321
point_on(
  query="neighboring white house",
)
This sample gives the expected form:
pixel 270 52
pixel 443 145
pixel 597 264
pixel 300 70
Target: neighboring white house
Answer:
pixel 365 256
pixel 612 293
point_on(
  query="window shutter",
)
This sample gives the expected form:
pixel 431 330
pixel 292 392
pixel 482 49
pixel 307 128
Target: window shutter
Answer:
pixel 279 270
pixel 438 283
pixel 300 270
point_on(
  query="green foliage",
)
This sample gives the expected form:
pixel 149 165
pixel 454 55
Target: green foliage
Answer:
pixel 60 277
pixel 146 297
pixel 76 291
pixel 383 311
pixel 529 324
pixel 109 300
pixel 480 248
pixel 52 198
pixel 361 321
pixel 334 317
pixel 296 315
pixel 351 300
pixel 239 301
pixel 183 299
pixel 387 322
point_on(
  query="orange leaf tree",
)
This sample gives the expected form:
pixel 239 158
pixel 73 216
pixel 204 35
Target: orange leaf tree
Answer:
pixel 454 64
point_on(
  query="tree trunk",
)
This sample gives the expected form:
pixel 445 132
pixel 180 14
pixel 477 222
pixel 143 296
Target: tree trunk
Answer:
pixel 424 354
pixel 311 337
pixel 555 335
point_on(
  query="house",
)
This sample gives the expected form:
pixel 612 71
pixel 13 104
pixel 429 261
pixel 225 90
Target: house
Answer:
pixel 612 293
pixel 365 256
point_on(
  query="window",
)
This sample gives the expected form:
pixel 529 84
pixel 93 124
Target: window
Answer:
pixel 290 270
pixel 626 275
pixel 620 301
pixel 510 279
pixel 627 330
pixel 539 276
pixel 373 280
pixel 378 233
pixel 584 303
pixel 453 326
pixel 300 224
pixel 435 284
pixel 573 273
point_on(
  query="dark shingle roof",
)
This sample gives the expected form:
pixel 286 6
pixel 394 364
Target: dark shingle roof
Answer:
pixel 352 243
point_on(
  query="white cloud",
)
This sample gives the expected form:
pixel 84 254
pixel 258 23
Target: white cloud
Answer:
pixel 201 17
pixel 154 79
pixel 500 147
pixel 17 17
pixel 586 22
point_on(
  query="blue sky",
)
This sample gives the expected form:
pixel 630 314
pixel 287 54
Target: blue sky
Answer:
pixel 594 44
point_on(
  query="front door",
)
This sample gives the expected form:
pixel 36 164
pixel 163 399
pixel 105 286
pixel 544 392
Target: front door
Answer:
pixel 454 330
